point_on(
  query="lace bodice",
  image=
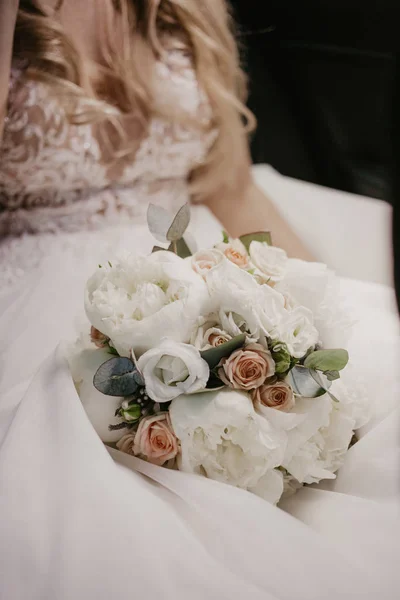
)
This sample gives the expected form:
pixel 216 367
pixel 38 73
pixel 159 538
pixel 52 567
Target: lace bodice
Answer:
pixel 54 178
pixel 53 175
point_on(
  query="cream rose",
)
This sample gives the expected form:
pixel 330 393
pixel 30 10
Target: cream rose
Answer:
pixel 235 252
pixel 209 333
pixel 205 260
pixel 155 439
pixel 172 369
pixel 247 368
pixel 277 395
pixel 270 263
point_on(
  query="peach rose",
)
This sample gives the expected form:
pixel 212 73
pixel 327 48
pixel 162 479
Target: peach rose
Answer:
pixel 155 439
pixel 277 395
pixel 247 368
pixel 126 443
pixel 98 339
pixel 205 260
pixel 235 252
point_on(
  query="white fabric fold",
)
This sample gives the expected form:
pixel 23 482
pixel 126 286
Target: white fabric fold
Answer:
pixel 80 522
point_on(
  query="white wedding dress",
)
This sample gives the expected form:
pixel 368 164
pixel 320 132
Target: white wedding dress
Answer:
pixel 78 523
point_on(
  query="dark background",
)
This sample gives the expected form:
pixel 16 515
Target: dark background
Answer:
pixel 322 82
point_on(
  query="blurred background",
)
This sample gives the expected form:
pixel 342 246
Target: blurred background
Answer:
pixel 322 77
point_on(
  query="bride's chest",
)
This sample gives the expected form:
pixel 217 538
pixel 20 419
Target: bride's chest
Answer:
pixel 43 151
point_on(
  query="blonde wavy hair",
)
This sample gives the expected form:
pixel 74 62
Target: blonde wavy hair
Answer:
pixel 206 28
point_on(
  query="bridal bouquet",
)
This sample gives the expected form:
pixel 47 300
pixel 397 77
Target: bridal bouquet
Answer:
pixel 207 363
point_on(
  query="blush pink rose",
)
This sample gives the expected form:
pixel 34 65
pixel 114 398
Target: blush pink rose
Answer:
pixel 236 252
pixel 155 439
pixel 247 368
pixel 277 395
pixel 98 339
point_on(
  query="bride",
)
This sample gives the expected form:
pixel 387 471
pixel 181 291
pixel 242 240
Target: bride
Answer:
pixel 106 106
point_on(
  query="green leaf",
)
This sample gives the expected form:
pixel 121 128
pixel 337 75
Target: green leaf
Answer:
pixel 327 360
pixel 282 358
pixel 225 237
pixel 118 377
pixel 157 249
pixel 332 375
pixel 179 224
pixel 180 248
pixel 258 236
pixel 214 382
pixel 159 221
pixel 112 350
pixel 319 379
pixel 213 356
pixel 304 384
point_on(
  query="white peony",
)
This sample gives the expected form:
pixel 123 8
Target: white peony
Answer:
pixel 317 446
pixel 270 262
pixel 317 288
pixel 258 309
pixel 224 438
pixel 99 408
pixel 139 300
pixel 354 396
pixel 308 416
pixel 336 438
pixel 172 369
pixel 297 331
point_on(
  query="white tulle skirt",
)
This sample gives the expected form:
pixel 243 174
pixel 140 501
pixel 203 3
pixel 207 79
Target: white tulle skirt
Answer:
pixel 80 522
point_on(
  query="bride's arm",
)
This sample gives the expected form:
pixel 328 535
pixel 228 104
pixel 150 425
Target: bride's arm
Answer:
pixel 8 17
pixel 244 208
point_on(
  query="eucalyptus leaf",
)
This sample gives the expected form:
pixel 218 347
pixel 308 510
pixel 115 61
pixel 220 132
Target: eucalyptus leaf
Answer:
pixel 179 224
pixel 320 380
pixel 159 222
pixel 117 377
pixel 332 375
pixel 213 356
pixel 180 248
pixel 157 249
pixel 258 236
pixel 327 360
pixel 304 384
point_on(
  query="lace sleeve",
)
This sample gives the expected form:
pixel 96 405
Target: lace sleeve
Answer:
pixel 177 83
